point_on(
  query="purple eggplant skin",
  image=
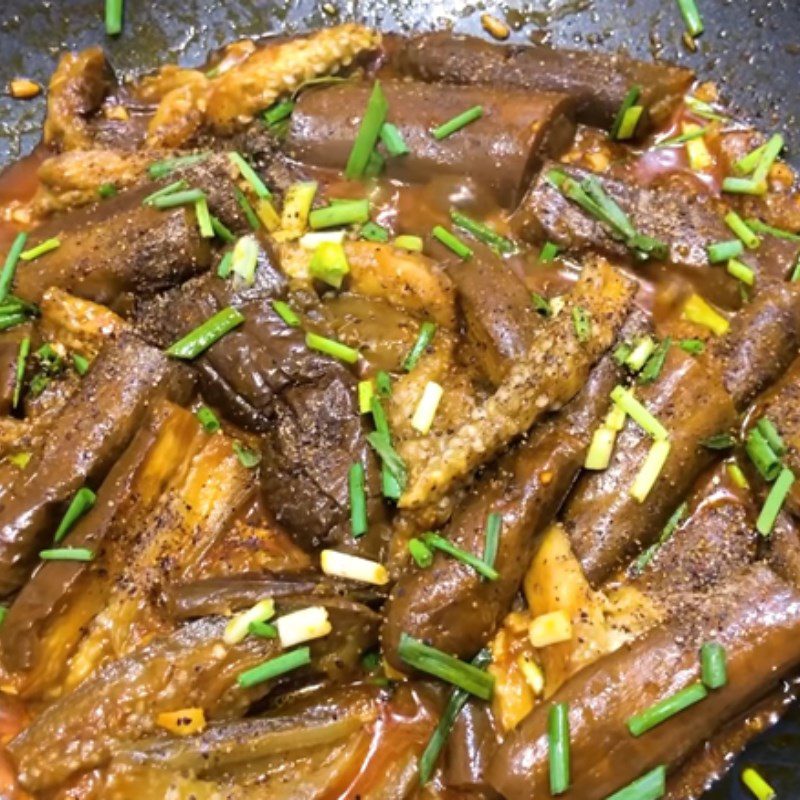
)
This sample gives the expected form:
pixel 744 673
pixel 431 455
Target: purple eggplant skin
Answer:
pixel 755 616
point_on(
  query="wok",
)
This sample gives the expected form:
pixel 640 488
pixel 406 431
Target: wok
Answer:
pixel 751 49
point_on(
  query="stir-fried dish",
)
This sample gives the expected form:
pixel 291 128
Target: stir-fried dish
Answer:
pixel 395 418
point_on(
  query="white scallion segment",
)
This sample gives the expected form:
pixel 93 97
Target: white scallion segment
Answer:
pixel 551 628
pixel 624 398
pixel 639 355
pixel 303 625
pixel 236 629
pixel 310 241
pixel 426 408
pixel 598 456
pixel 297 203
pixel 615 419
pixel 354 568
pixel 650 470
pixel 557 304
pixel 245 258
pixel 532 673
pixel 365 393
pixel 696 149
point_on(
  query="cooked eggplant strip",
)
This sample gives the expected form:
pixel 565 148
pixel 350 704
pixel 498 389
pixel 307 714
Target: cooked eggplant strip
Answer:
pixel 470 747
pixel 755 616
pixel 85 439
pixel 599 82
pixel 553 371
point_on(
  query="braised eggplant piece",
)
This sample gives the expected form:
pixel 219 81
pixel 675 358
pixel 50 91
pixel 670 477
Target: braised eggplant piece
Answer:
pixel 597 81
pixel 501 149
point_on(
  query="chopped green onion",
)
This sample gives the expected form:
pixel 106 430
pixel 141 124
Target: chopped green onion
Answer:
pixel 274 667
pixel 452 242
pixel 702 109
pixel 748 163
pixel 666 534
pixel 795 272
pixel 774 502
pixel 331 348
pixel 650 470
pixel 113 17
pixel 389 457
pixel 691 17
pixel 558 747
pixel 424 338
pixel 373 232
pixel 664 709
pixel 541 304
pixel 719 441
pixel 222 231
pixel 390 484
pixel 598 456
pixel 20 460
pixel 375 165
pixel 248 457
pixel 760 227
pixel 457 123
pixel 770 433
pixel 722 251
pixel 737 476
pixel 688 136
pixel 762 455
pixel 628 102
pixel 203 336
pixel 180 198
pixel 208 419
pixel 713 665
pixel 437 542
pixel 743 186
pixel 329 264
pixel 548 252
pixel 772 150
pixel 358 499
pixel 250 175
pixel 67 554
pixel 160 169
pixel 365 393
pixel 106 190
pixel 757 785
pixel 164 191
pixel 81 363
pixel 420 552
pixel 427 659
pixel 383 382
pixel 22 360
pixel 368 133
pixel 285 312
pixel 82 502
pixel 627 129
pixel 247 209
pixel 413 244
pixel 651 786
pixel 624 398
pixel 494 525
pixel 244 259
pixel 692 346
pixel 482 232
pixel 44 247
pixel 455 703
pixel 582 323
pixel 204 218
pixel 654 365
pixel 741 272
pixel 741 229
pixel 262 629
pixel 10 265
pixel 278 112
pixel 393 140
pixel 225 264
pixel 346 212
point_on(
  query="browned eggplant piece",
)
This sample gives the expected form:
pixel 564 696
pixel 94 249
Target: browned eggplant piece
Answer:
pixel 497 313
pixel 598 81
pixel 501 149
pixel 470 746
pixel 448 604
pixel 755 616
pixel 83 443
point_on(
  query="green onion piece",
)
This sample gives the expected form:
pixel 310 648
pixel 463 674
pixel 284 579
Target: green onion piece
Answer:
pixel 358 499
pixel 225 264
pixel 245 259
pixel 346 212
pixel 548 252
pixel 455 703
pixel 631 96
pixel 482 232
pixel 262 629
pixel 247 209
pixel 393 140
pixel 757 785
pixel 10 265
pixel 413 244
pixel 666 534
pixel 170 188
pixel 468 677
pixel 702 109
pixel 20 460
pixel 375 165
pixel 365 393
pixel 329 264
pixel 743 186
pixel 654 364
pixel 285 312
pixel 44 247
pixel 390 485
pixel 741 229
pixel 379 417
pixel 762 455
pixel 651 786
pixel 420 552
pixel 741 272
pixel 208 419
pixel 760 227
pixel 748 163
pixel 627 129
pixel 691 17
pixel 383 383
pixel 582 323
pixel 795 272
pixel 204 218
pixel 719 441
pixel 203 336
pixel 250 175
pixel 541 304
pixel 683 138
pixel 22 360
pixel 160 169
pixel 558 747
pixel 737 476
pixel 774 502
pixel 81 363
pixel 113 17
pixel 437 542
pixel 11 319
pixel 768 430
pixel 609 209
pixel 669 707
pixel 222 231
pixel 494 525
pixel 368 133
pixel 713 665
pixel 426 333
pixel 373 232
pixel 771 152
pixel 692 346
pixel 722 251
pixel 452 242
pixel 274 667
pixel 181 198
pixel 624 398
pixel 457 123
pixel 67 554
pixel 106 190
pixel 248 457
pixel 389 457
pixel 278 112
pixel 331 348
pixel 82 502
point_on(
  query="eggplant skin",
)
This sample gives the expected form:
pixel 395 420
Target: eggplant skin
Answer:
pixel 755 616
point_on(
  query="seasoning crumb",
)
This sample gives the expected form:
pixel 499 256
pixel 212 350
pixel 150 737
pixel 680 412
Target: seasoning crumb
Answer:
pixel 494 27
pixel 24 88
